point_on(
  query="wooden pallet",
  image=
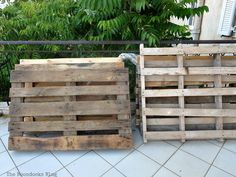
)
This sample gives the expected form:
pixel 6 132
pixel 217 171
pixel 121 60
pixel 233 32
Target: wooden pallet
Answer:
pixel 70 104
pixel 188 93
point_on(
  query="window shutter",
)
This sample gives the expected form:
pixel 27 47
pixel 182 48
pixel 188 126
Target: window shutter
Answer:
pixel 227 18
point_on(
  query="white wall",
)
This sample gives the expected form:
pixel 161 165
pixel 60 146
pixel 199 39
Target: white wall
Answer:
pixel 211 20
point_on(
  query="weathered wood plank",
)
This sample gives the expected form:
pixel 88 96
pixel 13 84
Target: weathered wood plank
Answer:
pixel 69 91
pixel 167 80
pixel 194 105
pixel 200 134
pixel 218 98
pixel 162 51
pixel 72 125
pixel 180 62
pixel 190 92
pixel 71 60
pixel 70 143
pixel 76 75
pixel 70 108
pixel 70 117
pixel 61 67
pixel 190 112
pixel 190 71
pixel 143 99
pixel 188 50
pixel 198 62
pixel 124 131
pixel 189 121
pixel 17 118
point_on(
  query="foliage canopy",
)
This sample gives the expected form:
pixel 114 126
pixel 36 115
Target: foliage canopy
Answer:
pixel 96 20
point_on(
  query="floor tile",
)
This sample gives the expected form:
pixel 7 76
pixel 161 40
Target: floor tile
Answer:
pixel 5 140
pixel 20 157
pixel 230 145
pixel 61 173
pixel 114 156
pixel 141 165
pixel 45 163
pixel 90 165
pixel 186 165
pixel 13 172
pixel 215 172
pixel 2 148
pixel 3 129
pixel 226 160
pixel 3 120
pixel 137 138
pixel 175 143
pixel 6 163
pixel 3 105
pixel 113 173
pixel 163 172
pixel 66 157
pixel 201 149
pixel 158 150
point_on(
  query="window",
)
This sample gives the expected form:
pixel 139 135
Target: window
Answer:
pixel 227 21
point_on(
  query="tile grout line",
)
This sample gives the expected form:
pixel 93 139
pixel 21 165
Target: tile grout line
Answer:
pixel 113 166
pixel 206 161
pixel 223 170
pixel 61 164
pixel 157 163
pixel 213 143
pixel 30 159
pixel 195 156
pixel 11 159
pixel 214 159
pixel 148 157
pixel 163 165
pixel 229 150
pixel 77 158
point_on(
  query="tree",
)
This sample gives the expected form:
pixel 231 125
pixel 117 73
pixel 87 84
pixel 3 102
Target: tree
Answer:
pixel 96 20
pixel 135 19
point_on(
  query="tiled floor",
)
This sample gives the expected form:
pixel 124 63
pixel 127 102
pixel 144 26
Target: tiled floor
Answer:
pixel 157 158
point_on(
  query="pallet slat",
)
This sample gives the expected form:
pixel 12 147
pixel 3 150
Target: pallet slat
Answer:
pixel 190 92
pixel 67 125
pixel 70 108
pixel 83 75
pixel 189 71
pixel 189 112
pixel 69 91
pixel 70 143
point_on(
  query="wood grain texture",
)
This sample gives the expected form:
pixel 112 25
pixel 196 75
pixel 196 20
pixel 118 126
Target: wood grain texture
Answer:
pixel 92 142
pixel 69 91
pixel 69 125
pixel 71 60
pixel 58 67
pixel 193 135
pixel 74 75
pixel 190 112
pixel 70 108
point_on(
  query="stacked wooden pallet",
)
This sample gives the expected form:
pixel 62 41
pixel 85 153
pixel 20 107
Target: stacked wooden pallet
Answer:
pixel 188 92
pixel 70 104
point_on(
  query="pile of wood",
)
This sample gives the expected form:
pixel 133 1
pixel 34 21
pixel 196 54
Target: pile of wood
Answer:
pixel 70 104
pixel 188 92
